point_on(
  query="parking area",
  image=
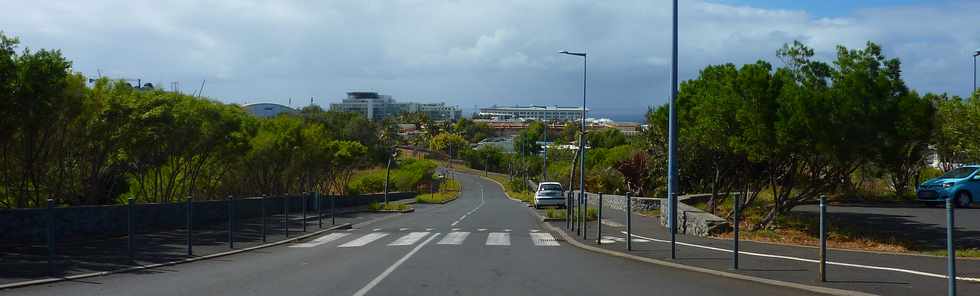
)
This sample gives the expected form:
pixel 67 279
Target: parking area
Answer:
pixel 924 225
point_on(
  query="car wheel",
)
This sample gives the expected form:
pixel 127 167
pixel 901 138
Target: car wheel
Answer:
pixel 962 200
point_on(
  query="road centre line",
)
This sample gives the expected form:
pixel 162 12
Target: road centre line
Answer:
pixel 482 201
pixel 915 272
pixel 370 285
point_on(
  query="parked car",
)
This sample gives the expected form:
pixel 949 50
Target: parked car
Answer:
pixel 961 184
pixel 549 194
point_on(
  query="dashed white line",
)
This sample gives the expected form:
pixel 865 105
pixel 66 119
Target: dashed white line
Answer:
pixel 482 201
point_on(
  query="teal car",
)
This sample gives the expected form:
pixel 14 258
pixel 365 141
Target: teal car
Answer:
pixel 962 185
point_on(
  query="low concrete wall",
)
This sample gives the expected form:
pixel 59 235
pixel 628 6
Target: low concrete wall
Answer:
pixel 18 226
pixel 694 221
pixel 690 220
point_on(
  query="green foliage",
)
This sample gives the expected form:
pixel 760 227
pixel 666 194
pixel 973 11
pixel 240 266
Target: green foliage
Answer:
pixel 552 213
pixel 607 138
pixel 447 142
pixel 103 143
pixel 405 175
pixel 486 156
pixel 472 131
pixel 798 130
pixel 391 206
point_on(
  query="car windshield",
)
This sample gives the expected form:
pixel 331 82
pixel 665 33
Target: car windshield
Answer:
pixel 550 187
pixel 959 173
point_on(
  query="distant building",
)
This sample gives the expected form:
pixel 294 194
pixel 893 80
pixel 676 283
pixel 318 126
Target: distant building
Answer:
pixel 268 109
pixel 376 106
pixel 435 111
pixel 542 113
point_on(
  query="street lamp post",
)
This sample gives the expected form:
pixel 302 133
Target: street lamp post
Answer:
pixel 672 145
pixel 387 173
pixel 581 142
pixel 975 54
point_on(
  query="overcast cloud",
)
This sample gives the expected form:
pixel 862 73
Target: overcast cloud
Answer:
pixel 471 52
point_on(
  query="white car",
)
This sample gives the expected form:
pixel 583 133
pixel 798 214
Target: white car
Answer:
pixel 549 194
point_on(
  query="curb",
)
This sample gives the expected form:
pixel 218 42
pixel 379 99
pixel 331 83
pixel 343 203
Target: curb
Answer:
pixel 156 265
pixel 808 288
pixel 441 203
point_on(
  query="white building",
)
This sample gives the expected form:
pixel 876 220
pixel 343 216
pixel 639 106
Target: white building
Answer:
pixel 376 106
pixel 268 109
pixel 543 113
pixel 435 111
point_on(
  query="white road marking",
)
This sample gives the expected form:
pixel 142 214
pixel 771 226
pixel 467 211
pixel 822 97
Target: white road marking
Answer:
pixel 402 229
pixel 321 240
pixel 534 230
pixel 481 229
pixel 370 285
pixel 377 229
pixel 455 229
pixel 454 238
pixel 506 230
pixel 915 272
pixel 363 240
pixel 483 200
pixel 409 239
pixel 543 239
pixel 613 239
pixel 498 239
pixel 428 229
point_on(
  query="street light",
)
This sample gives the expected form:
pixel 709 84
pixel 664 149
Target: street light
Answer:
pixel 672 146
pixel 393 154
pixel 581 142
pixel 975 54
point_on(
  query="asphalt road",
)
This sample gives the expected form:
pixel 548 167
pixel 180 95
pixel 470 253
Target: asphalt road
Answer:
pixel 480 244
pixel 923 225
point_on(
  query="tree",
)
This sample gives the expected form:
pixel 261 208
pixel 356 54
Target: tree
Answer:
pixel 448 143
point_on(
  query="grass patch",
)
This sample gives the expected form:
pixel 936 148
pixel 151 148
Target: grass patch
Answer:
pixel 973 253
pixel 447 192
pixel 552 213
pixel 376 206
pixel 801 228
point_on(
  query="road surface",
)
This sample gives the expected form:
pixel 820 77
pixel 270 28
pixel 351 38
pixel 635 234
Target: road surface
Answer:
pixel 480 244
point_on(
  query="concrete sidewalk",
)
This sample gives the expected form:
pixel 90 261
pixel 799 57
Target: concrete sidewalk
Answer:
pixel 20 263
pixel 878 273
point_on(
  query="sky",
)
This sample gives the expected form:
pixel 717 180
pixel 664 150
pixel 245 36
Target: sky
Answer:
pixel 479 53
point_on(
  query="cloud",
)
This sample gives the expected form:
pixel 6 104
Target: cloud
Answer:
pixel 470 52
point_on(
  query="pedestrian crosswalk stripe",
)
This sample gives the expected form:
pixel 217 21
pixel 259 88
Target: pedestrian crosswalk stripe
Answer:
pixel 321 240
pixel 543 239
pixel 498 239
pixel 409 239
pixel 363 240
pixel 454 238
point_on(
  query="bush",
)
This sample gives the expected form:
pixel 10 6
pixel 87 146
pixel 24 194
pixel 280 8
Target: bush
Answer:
pixel 376 206
pixel 555 213
pixel 405 177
